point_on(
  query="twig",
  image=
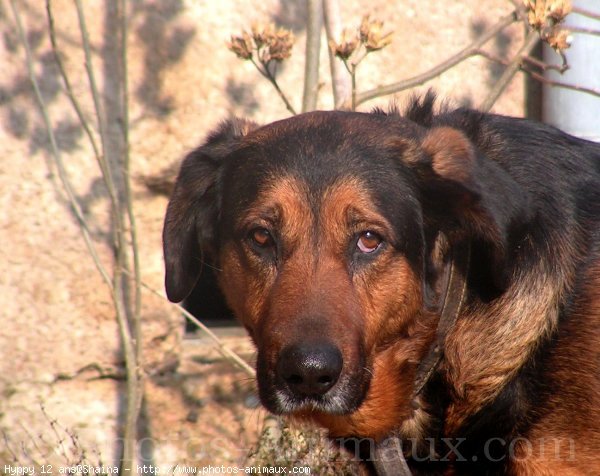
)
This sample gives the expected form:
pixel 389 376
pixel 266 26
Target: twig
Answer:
pixel 492 57
pixel 68 88
pixel 222 348
pixel 351 68
pixel 333 27
pixel 135 404
pixel 266 72
pixel 128 192
pixel 134 399
pixel 574 87
pixel 510 71
pixel 314 25
pixel 131 363
pixel 7 445
pixel 586 13
pixel 585 31
pixel 105 167
pixel 56 154
pixel 351 65
pixel 561 68
pixel 471 50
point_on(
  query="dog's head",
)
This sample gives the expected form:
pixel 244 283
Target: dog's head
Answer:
pixel 322 230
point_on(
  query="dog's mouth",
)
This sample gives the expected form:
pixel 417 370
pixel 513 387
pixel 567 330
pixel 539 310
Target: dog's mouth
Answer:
pixel 288 393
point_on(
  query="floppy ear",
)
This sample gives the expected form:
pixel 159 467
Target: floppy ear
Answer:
pixel 191 220
pixel 468 196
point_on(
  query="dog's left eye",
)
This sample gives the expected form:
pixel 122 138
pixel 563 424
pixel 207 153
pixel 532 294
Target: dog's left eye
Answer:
pixel 262 238
pixel 368 242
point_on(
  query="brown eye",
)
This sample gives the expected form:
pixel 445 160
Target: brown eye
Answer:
pixel 261 237
pixel 368 242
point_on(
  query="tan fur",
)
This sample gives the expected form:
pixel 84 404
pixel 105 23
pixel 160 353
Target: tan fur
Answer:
pixel 566 439
pixel 378 309
pixel 479 362
pixel 247 297
pixel 452 154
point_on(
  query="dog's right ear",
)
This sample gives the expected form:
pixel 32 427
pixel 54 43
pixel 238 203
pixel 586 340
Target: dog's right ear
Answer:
pixel 191 220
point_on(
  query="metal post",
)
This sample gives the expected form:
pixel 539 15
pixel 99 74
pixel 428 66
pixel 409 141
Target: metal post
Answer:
pixel 576 112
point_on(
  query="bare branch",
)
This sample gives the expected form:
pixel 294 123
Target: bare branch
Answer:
pixel 68 88
pixel 585 31
pixel 339 79
pixel 127 341
pixel 133 357
pixel 539 77
pixel 134 375
pixel 561 68
pixel 64 178
pixel 222 348
pixel 314 25
pixel 531 40
pixel 106 171
pixel 128 192
pixel 471 50
pixel 493 58
pixel 586 13
pixel 267 73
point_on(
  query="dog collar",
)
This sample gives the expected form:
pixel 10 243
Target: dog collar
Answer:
pixel 389 458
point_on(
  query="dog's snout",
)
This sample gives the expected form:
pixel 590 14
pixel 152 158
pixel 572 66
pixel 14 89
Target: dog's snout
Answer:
pixel 310 368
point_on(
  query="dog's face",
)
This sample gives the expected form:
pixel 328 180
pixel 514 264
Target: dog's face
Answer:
pixel 320 228
pixel 320 258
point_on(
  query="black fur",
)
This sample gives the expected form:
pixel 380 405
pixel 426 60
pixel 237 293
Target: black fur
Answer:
pixel 524 194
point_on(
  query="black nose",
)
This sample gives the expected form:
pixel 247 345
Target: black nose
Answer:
pixel 310 368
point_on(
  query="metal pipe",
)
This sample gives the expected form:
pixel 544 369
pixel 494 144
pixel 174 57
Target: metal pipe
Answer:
pixel 576 112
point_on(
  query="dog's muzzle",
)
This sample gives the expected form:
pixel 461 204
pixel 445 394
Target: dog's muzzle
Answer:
pixel 309 369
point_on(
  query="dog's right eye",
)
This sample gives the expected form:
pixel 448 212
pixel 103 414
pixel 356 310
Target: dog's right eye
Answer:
pixel 262 238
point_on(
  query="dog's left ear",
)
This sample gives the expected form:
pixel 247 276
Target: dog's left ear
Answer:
pixel 191 221
pixel 465 194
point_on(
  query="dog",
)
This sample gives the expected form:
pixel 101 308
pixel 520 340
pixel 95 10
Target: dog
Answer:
pixel 339 240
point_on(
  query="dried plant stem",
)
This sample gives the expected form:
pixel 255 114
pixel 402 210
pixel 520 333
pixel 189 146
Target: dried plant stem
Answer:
pixel 574 87
pixel 351 67
pixel 314 25
pixel 513 68
pixel 128 192
pixel 222 348
pixel 586 13
pixel 266 72
pixel 339 79
pixel 135 385
pixel 585 31
pixel 561 68
pixel 130 350
pixel 471 50
pixel 107 177
pixel 105 166
pixel 71 197
pixel 68 88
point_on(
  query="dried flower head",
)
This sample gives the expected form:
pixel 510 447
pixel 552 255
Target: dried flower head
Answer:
pixel 539 11
pixel 269 43
pixel 242 46
pixel 558 9
pixel 348 44
pixel 281 44
pixel 560 39
pixel 372 36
